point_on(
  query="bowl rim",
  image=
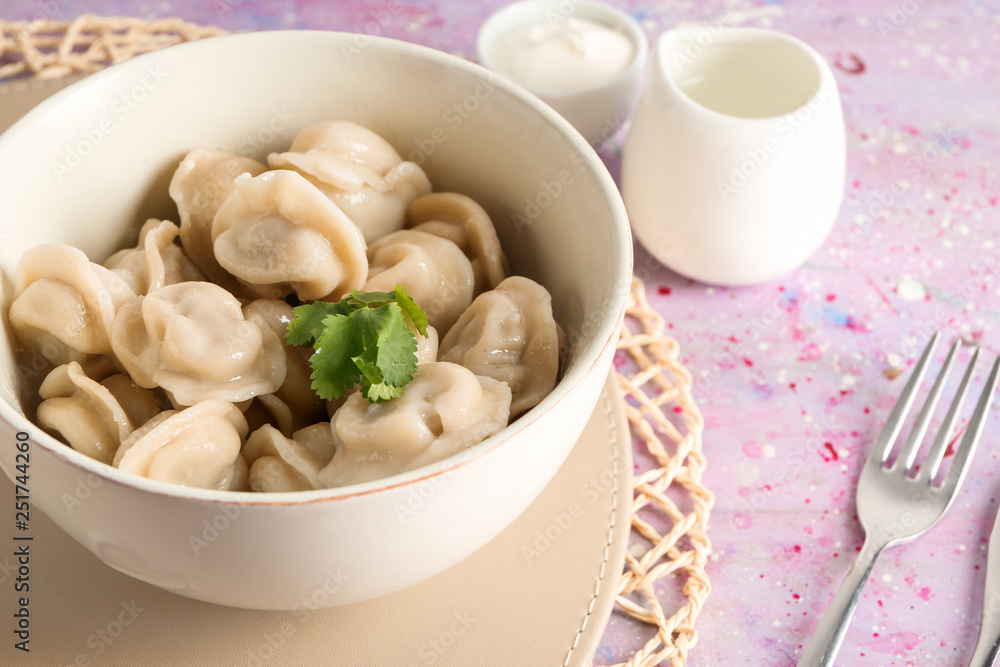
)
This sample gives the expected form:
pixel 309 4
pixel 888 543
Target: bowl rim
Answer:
pixel 587 363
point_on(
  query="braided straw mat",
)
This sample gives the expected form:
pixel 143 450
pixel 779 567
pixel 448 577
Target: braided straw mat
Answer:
pixel 670 510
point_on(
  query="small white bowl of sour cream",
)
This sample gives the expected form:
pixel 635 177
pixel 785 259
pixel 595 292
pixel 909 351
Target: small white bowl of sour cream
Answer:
pixel 584 59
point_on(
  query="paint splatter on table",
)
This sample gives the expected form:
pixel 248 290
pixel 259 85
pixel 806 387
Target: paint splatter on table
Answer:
pixel 795 376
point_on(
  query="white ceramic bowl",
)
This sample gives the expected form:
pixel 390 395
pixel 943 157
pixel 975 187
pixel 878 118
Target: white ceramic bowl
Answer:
pixel 88 165
pixel 596 112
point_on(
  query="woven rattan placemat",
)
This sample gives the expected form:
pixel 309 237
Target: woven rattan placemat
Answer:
pixel 669 546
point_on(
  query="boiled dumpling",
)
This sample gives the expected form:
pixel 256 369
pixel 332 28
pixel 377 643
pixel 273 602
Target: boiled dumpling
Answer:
pixel 460 219
pixel 427 346
pixel 445 409
pixel 198 447
pixel 359 171
pixel 202 181
pixel 509 334
pixel 192 340
pixel 278 234
pixel 279 463
pixel 155 261
pixel 433 270
pixel 64 305
pixel 294 404
pixel 93 417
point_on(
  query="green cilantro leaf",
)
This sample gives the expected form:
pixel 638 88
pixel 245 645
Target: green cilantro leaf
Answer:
pixel 307 326
pixel 365 339
pixel 411 310
pixel 333 374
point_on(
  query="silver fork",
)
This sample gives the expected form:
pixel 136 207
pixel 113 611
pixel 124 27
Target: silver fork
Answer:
pixel 897 503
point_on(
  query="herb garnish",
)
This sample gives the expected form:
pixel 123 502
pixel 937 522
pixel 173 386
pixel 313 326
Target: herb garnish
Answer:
pixel 365 338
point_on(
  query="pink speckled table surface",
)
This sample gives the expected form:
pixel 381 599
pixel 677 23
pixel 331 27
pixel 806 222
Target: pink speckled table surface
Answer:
pixel 795 376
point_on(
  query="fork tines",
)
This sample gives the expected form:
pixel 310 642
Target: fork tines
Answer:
pixel 928 470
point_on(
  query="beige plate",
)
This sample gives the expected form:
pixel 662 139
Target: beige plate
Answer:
pixel 539 594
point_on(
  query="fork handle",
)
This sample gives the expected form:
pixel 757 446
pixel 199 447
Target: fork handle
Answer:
pixel 825 643
pixel 988 645
pixel 987 651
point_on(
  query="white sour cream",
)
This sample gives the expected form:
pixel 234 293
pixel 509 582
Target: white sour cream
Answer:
pixel 574 54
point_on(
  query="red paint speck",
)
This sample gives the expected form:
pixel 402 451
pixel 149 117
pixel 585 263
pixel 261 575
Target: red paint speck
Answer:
pixel 833 452
pixel 796 596
pixel 831 297
pixel 797 549
pixel 747 361
pixel 950 449
pixel 663 291
pixel 849 64
pixel 791 385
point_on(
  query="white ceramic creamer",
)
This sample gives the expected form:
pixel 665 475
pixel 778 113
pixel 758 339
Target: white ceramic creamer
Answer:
pixel 733 171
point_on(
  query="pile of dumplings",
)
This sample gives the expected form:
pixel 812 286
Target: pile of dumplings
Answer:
pixel 169 359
